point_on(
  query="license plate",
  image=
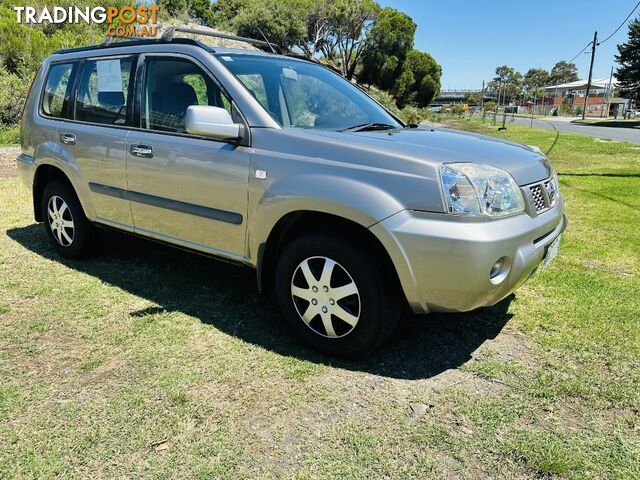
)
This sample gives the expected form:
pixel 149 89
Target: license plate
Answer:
pixel 552 252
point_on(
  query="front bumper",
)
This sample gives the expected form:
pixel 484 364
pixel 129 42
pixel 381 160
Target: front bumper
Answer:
pixel 443 262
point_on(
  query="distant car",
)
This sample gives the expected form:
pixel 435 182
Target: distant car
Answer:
pixel 278 163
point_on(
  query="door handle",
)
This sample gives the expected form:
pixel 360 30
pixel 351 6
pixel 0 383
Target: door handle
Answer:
pixel 142 151
pixel 68 138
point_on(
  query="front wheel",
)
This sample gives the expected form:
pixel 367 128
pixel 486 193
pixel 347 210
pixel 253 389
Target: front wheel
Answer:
pixel 64 220
pixel 335 294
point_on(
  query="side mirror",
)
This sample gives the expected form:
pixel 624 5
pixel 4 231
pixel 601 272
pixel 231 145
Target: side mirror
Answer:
pixel 212 122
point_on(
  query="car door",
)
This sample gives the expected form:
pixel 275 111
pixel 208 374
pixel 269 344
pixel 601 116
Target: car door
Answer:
pixel 96 138
pixel 184 189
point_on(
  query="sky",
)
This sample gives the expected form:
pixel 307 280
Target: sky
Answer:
pixel 471 38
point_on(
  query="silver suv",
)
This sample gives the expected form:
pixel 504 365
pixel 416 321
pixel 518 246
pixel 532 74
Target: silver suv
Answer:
pixel 346 213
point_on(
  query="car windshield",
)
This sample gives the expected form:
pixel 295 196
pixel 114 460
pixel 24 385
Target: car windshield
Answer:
pixel 300 94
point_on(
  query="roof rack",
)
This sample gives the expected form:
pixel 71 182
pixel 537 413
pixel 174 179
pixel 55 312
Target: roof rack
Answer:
pixel 129 43
pixel 169 35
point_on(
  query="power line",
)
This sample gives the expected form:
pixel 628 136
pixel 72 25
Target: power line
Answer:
pixel 580 52
pixel 621 25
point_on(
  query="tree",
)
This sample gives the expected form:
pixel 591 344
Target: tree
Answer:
pixel 535 78
pixel 350 22
pixel 563 72
pixel 281 22
pixel 474 98
pixel 419 81
pixel 508 82
pixel 389 41
pixel 628 73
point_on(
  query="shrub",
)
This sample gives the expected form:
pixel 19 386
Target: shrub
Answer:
pixel 10 135
pixel 13 91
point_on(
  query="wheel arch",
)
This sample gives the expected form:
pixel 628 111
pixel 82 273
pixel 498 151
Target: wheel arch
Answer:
pixel 45 174
pixel 305 221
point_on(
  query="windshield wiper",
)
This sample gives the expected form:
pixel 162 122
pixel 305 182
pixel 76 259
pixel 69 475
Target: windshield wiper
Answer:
pixel 370 126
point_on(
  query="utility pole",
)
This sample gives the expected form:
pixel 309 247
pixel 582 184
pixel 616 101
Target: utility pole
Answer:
pixel 482 98
pixel 495 113
pixel 609 95
pixel 593 55
pixel 533 105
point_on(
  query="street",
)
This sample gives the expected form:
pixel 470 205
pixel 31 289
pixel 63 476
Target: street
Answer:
pixel 612 133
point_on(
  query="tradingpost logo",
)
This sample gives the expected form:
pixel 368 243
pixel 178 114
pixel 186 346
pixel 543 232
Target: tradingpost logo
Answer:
pixel 123 21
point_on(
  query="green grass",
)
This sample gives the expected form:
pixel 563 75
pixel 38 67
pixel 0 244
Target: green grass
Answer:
pixel 149 362
pixel 10 136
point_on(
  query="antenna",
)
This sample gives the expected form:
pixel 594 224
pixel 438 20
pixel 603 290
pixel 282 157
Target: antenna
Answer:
pixel 265 39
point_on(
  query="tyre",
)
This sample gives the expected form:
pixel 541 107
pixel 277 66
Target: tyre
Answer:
pixel 335 294
pixel 64 220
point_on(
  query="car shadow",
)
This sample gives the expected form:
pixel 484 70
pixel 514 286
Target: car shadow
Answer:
pixel 225 297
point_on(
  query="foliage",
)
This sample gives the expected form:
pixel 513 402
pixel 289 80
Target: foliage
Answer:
pixel 507 83
pixel 563 72
pixel 358 37
pixel 350 22
pixel 389 42
pixel 419 82
pixel 13 90
pixel 281 22
pixel 490 106
pixel 200 9
pixel 628 73
pixel 534 80
pixel 10 135
pixel 474 98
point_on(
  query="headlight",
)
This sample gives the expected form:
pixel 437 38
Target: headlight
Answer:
pixel 474 189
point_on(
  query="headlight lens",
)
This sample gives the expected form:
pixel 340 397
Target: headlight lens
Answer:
pixel 477 189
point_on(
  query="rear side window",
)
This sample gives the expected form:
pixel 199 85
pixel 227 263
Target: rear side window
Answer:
pixel 103 91
pixel 57 92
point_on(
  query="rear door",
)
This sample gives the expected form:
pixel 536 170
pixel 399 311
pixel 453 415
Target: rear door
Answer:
pixel 95 138
pixel 184 189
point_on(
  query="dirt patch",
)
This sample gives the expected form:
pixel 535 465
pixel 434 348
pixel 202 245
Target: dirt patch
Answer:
pixel 8 156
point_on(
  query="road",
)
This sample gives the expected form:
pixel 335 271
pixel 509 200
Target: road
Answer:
pixel 630 135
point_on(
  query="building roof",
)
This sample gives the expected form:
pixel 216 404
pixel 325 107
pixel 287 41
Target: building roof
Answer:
pixel 582 84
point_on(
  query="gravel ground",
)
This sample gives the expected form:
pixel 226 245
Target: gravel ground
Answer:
pixel 8 161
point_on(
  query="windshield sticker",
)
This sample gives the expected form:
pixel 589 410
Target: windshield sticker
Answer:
pixel 290 73
pixel 109 76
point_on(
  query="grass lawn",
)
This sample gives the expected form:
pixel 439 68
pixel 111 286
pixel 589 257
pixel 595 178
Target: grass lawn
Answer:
pixel 149 362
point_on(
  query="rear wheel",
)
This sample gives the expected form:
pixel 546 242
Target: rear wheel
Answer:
pixel 335 295
pixel 64 220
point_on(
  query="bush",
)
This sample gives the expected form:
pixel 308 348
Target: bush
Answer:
pixel 10 135
pixel 13 91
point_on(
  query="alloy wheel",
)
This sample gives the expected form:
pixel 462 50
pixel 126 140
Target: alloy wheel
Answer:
pixel 326 297
pixel 60 221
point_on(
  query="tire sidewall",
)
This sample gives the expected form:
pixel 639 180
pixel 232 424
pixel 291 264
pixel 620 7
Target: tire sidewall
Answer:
pixel 376 305
pixel 81 225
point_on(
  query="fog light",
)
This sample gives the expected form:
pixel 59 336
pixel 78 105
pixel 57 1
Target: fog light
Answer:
pixel 499 270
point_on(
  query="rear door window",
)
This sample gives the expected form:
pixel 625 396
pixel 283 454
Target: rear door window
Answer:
pixel 57 93
pixel 103 91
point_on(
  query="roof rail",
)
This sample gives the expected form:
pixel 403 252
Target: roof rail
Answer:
pixel 108 43
pixel 169 36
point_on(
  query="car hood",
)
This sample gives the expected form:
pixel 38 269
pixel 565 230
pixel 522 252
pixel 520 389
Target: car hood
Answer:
pixel 438 145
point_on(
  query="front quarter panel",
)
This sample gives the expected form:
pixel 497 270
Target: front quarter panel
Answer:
pixel 286 178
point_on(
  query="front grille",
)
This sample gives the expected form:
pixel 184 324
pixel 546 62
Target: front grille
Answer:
pixel 551 192
pixel 543 195
pixel 538 198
